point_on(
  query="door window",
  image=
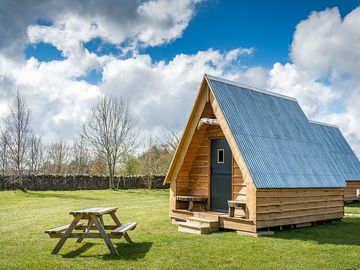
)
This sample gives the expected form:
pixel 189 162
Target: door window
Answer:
pixel 220 156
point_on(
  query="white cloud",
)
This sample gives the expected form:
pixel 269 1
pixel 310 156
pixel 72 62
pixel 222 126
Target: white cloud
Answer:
pixel 325 70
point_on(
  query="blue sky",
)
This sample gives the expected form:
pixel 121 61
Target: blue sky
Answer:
pixel 267 26
pixel 153 53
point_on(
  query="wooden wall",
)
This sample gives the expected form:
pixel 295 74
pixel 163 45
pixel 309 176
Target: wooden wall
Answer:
pixel 194 176
pixel 238 184
pixel 276 207
pixel 350 190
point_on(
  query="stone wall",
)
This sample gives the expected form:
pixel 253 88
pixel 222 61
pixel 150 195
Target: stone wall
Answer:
pixel 82 182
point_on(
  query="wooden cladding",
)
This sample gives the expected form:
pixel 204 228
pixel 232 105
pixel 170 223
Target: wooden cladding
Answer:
pixel 194 175
pixel 239 186
pixel 351 190
pixel 275 207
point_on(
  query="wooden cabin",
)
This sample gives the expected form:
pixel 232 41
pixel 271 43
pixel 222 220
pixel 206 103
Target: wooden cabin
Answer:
pixel 249 160
pixel 344 157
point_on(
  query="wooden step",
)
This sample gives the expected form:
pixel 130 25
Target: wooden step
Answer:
pixel 192 227
pixel 211 223
pixel 206 216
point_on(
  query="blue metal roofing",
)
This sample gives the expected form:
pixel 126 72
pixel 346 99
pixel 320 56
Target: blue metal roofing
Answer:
pixel 275 138
pixel 339 149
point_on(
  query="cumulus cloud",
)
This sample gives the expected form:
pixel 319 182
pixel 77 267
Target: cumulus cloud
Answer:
pixel 137 23
pixel 325 74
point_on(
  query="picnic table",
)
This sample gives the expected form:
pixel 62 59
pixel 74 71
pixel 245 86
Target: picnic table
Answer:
pixel 95 221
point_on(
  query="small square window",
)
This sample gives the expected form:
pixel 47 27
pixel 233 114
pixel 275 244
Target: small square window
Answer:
pixel 220 156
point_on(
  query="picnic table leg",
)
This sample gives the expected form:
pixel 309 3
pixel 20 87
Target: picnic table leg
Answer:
pixel 118 223
pixel 104 235
pixel 65 236
pixel 87 229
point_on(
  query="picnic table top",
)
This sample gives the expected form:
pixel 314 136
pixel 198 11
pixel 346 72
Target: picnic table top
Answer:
pixel 95 211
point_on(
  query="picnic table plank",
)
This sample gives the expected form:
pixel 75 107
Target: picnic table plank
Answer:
pixel 118 223
pixel 104 235
pixel 94 211
pixel 85 231
pixel 65 236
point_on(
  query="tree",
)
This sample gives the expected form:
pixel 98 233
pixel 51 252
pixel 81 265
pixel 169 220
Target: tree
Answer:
pixel 155 159
pixel 81 156
pixel 3 152
pixel 171 138
pixel 97 166
pixel 18 134
pixel 130 166
pixel 109 130
pixel 36 154
pixel 58 157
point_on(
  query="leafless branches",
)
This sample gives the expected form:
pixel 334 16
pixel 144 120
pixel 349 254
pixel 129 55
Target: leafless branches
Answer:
pixel 36 154
pixel 109 131
pixel 58 156
pixel 17 135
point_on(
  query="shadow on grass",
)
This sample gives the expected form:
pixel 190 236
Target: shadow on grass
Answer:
pixel 58 195
pixel 133 251
pixel 129 252
pixel 79 250
pixel 339 233
pixel 353 205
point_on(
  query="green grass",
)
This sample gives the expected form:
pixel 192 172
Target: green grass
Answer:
pixel 158 245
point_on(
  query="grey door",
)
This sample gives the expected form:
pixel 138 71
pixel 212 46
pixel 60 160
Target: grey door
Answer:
pixel 220 175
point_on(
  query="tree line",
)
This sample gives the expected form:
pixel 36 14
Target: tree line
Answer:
pixel 107 143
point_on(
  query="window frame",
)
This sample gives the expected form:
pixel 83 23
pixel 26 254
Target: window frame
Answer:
pixel 218 156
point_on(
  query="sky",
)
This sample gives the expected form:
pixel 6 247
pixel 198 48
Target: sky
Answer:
pixel 63 54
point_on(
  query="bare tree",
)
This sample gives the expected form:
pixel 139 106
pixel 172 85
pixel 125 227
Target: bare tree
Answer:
pixel 109 130
pixel 4 152
pixel 81 156
pixel 58 156
pixel 18 134
pixel 156 158
pixel 171 138
pixel 36 154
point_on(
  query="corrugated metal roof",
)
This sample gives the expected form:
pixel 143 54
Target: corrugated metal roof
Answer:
pixel 339 149
pixel 275 138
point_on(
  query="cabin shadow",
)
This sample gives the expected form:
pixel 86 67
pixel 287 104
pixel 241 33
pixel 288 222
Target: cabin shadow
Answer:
pixel 127 252
pixel 338 233
pixel 353 205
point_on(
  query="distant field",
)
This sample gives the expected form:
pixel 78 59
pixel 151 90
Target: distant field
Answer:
pixel 158 245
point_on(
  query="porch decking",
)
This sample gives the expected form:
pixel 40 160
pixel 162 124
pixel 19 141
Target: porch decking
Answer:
pixel 224 221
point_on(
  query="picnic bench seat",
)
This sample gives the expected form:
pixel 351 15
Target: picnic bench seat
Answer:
pixel 62 228
pixel 236 204
pixel 124 228
pixel 191 200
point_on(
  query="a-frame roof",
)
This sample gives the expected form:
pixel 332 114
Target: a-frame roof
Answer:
pixel 274 137
pixel 339 149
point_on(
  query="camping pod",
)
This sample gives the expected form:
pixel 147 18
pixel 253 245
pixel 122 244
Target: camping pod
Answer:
pixel 343 156
pixel 250 160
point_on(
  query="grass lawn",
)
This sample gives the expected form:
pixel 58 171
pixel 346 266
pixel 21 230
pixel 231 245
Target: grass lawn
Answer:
pixel 158 245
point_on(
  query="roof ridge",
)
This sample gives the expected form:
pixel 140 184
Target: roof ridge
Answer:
pixel 253 88
pixel 323 124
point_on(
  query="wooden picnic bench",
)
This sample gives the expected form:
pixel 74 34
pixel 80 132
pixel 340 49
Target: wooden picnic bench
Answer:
pixel 191 200
pixel 95 221
pixel 236 204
